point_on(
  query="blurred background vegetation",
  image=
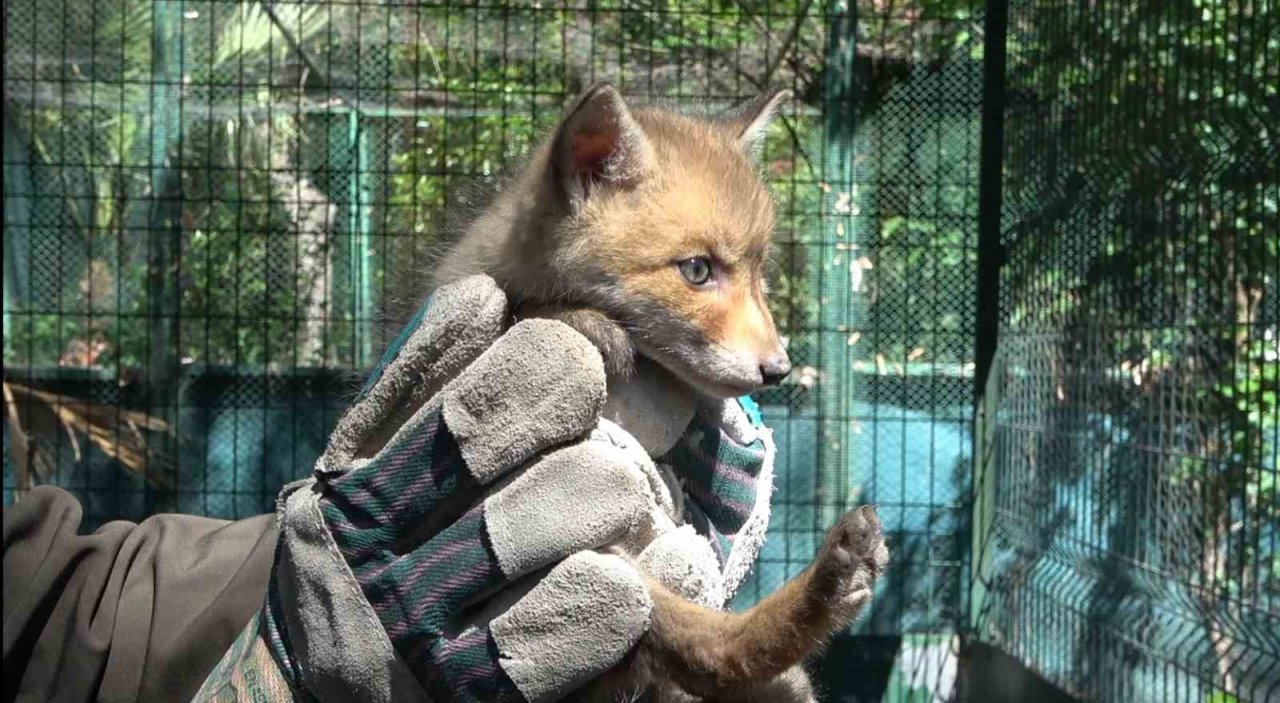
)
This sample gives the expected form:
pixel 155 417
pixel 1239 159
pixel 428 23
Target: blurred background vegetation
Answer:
pixel 274 171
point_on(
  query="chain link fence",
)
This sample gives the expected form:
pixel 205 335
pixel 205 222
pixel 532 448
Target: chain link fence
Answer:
pixel 1128 507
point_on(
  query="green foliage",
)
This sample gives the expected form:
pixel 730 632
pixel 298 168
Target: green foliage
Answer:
pixel 213 170
pixel 1141 185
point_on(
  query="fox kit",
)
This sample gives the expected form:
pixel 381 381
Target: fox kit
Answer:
pixel 648 232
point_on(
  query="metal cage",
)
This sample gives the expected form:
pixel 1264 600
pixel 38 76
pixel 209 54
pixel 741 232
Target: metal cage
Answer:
pixel 1026 267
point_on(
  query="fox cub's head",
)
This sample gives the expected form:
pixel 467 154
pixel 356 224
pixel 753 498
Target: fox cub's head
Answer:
pixel 661 221
pixel 669 226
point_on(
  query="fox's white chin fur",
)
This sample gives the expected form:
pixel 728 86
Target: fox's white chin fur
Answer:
pixel 711 374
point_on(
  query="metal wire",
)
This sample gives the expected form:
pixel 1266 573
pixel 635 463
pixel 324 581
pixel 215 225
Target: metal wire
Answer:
pixel 1130 489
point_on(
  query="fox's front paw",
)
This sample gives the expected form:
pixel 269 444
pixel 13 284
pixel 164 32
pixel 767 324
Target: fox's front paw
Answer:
pixel 851 559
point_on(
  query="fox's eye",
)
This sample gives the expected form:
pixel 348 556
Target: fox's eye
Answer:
pixel 696 270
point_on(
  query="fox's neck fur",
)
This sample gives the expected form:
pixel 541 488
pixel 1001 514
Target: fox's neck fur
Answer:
pixel 508 239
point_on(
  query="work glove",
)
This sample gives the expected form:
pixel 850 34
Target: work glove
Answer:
pixel 724 462
pixel 717 457
pixel 472 470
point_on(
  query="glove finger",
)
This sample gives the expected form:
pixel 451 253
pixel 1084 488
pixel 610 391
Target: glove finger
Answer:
pixel 562 634
pixel 653 405
pixel 685 562
pixel 542 385
pixel 519 529
pixel 496 415
pixel 557 636
pixel 583 496
pixel 450 330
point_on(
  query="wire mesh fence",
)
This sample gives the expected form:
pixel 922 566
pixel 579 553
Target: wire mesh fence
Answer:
pixel 225 207
pixel 217 211
pixel 1131 492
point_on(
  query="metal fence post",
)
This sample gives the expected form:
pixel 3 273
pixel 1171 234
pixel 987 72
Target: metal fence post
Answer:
pixel 990 259
pixel 360 222
pixel 834 260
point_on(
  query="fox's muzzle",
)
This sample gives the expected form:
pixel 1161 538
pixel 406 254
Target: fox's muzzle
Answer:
pixel 775 368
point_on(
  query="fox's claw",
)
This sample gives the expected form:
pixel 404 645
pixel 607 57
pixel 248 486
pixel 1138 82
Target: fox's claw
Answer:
pixel 851 559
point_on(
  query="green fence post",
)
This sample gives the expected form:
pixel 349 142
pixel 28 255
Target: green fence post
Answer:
pixel 360 223
pixel 163 212
pixel 833 258
pixel 988 368
pixel 983 500
pixel 17 220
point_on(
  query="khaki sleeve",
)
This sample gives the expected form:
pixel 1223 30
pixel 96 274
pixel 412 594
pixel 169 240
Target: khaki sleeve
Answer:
pixel 131 612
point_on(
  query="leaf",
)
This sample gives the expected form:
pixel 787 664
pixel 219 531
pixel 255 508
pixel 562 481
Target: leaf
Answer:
pixel 891 225
pixel 100 424
pixel 249 32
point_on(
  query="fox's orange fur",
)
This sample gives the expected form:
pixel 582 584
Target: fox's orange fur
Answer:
pixel 596 231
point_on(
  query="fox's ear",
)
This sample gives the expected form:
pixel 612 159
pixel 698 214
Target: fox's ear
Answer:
pixel 599 145
pixel 749 121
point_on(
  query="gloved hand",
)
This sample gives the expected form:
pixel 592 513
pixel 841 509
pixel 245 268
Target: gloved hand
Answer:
pixel 413 525
pixel 717 457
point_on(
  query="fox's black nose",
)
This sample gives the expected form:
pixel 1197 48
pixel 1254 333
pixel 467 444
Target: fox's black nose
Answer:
pixel 775 369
